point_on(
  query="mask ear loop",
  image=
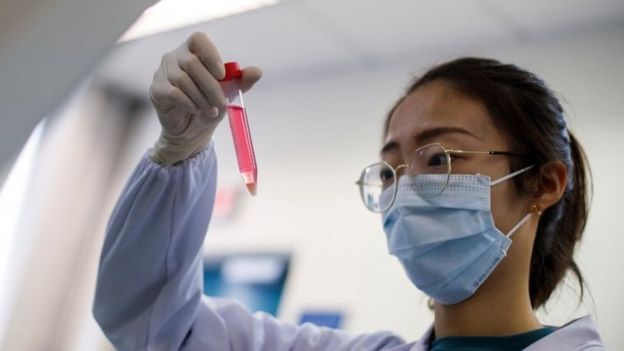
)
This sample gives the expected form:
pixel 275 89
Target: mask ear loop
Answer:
pixel 534 210
pixel 511 175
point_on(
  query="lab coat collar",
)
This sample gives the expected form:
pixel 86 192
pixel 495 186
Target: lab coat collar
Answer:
pixel 576 335
pixel 579 334
pixel 424 342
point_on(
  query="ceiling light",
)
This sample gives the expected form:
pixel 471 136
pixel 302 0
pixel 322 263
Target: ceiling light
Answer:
pixel 171 14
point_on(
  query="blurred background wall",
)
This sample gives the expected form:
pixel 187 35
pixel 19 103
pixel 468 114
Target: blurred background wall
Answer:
pixel 332 70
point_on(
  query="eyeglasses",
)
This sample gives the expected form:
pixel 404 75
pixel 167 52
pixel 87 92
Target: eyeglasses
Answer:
pixel 431 159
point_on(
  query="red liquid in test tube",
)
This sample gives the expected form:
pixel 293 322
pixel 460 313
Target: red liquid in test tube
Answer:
pixel 243 146
pixel 239 126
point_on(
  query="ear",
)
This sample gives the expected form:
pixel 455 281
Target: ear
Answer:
pixel 551 186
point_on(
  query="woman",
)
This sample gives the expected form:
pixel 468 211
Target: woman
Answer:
pixel 481 189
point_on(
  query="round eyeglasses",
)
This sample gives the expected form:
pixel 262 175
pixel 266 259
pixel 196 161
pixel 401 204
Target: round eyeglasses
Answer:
pixel 378 182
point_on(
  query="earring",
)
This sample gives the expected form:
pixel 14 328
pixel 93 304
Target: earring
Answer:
pixel 536 209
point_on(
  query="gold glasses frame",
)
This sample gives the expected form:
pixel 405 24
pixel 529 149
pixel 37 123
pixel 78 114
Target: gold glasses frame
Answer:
pixel 395 170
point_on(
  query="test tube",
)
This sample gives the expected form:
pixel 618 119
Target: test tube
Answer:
pixel 237 115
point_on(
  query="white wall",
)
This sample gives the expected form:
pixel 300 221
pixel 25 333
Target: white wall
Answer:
pixel 48 279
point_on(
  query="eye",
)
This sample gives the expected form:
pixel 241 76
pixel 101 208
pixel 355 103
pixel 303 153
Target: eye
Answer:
pixel 437 160
pixel 385 174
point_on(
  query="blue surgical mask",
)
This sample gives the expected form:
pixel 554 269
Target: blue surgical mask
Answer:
pixel 447 244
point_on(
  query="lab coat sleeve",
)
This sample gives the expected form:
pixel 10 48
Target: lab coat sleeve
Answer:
pixel 149 293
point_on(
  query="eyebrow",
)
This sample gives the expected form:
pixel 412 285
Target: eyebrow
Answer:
pixel 426 135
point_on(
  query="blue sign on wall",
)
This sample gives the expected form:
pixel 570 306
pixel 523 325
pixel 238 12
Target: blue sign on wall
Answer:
pixel 256 280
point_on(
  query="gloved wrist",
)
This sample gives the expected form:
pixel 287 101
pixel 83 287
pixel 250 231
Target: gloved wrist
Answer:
pixel 171 149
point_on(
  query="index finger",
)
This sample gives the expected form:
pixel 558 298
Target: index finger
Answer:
pixel 199 44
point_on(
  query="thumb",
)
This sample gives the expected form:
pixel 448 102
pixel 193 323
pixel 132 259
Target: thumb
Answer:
pixel 250 76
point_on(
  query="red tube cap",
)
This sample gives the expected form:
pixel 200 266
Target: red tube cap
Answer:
pixel 232 71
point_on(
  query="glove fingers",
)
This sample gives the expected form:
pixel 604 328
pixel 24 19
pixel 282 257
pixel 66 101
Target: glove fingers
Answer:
pixel 199 44
pixel 172 97
pixel 204 80
pixel 164 95
pixel 180 79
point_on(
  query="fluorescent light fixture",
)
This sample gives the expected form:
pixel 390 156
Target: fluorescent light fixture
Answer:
pixel 171 14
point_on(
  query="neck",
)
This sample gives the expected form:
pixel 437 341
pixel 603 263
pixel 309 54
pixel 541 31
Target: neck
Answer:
pixel 504 310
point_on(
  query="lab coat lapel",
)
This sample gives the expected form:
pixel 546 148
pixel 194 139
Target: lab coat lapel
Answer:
pixel 576 335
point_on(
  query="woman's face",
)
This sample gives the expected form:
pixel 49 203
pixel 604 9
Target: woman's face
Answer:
pixel 437 113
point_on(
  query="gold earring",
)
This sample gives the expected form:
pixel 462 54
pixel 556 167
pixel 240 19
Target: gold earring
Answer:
pixel 536 209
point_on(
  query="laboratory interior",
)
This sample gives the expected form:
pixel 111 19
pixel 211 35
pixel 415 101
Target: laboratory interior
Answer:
pixel 76 119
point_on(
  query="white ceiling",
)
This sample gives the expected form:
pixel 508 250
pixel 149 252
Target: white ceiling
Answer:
pixel 298 39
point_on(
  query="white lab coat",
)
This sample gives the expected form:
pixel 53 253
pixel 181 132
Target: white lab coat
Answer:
pixel 149 289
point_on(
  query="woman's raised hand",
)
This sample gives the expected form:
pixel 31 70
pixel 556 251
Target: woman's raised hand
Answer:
pixel 188 98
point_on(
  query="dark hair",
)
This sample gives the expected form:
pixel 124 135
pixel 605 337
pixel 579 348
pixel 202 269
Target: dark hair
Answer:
pixel 527 110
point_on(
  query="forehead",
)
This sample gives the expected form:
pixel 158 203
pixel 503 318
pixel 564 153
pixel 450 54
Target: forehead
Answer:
pixel 438 104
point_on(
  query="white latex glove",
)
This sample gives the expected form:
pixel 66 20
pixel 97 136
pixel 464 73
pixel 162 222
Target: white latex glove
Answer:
pixel 188 98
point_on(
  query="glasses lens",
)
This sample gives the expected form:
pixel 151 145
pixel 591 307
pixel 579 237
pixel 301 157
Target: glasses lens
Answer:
pixel 377 186
pixel 430 167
